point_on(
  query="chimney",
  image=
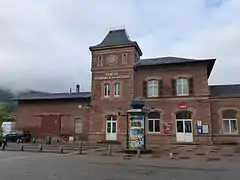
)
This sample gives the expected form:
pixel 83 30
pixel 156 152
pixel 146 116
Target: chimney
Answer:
pixel 77 88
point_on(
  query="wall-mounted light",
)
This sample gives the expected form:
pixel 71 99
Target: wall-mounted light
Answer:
pixel 119 112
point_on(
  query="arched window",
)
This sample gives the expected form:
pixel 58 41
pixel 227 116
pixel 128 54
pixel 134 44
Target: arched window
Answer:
pixel 182 86
pixel 184 115
pixel 153 88
pixel 154 121
pixel 229 118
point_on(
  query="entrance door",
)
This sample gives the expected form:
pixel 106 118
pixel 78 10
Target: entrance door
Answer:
pixel 184 130
pixel 111 128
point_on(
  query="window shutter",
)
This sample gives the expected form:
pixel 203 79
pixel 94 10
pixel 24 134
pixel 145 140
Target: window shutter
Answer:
pixel 190 83
pixel 144 89
pixel 160 87
pixel 174 87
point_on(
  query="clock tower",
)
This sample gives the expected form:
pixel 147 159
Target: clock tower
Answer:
pixel 113 86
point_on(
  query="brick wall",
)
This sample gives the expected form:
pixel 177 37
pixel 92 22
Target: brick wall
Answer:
pixel 217 106
pixel 30 114
pixel 100 106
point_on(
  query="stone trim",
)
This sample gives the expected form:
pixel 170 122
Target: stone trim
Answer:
pixel 182 76
pixel 149 78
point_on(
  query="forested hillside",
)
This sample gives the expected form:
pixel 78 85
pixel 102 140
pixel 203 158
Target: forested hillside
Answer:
pixel 7 106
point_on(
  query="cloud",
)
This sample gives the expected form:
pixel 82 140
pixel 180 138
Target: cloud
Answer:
pixel 44 44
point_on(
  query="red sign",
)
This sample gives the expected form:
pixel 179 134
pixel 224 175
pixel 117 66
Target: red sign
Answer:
pixel 182 105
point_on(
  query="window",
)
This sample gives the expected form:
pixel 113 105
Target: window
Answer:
pixel 78 126
pixel 182 87
pixel 184 115
pixel 111 124
pixel 100 61
pixel 116 89
pixel 229 121
pixel 154 122
pixel 106 90
pixel 124 59
pixel 152 88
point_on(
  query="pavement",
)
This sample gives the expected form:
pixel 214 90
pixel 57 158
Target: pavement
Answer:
pixel 22 165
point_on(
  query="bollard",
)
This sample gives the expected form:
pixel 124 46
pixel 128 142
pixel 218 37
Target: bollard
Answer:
pixel 170 155
pixel 61 150
pixel 3 146
pixel 138 153
pixel 109 150
pixel 21 147
pixel 34 140
pixel 80 147
pixel 207 156
pixel 40 148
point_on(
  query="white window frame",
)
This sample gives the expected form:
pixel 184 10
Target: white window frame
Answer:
pixel 154 121
pixel 152 88
pixel 117 89
pixel 106 90
pixel 229 125
pixel 180 86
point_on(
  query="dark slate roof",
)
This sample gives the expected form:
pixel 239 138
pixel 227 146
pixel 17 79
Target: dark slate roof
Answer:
pixel 174 60
pixel 116 38
pixel 54 96
pixel 225 90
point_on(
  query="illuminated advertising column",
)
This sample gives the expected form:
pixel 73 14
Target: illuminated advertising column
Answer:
pixel 136 132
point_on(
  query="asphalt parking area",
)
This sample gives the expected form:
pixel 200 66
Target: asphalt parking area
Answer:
pixel 14 155
pixel 52 166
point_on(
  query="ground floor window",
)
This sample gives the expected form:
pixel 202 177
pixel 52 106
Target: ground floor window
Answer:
pixel 229 121
pixel 154 122
pixel 78 126
pixel 229 125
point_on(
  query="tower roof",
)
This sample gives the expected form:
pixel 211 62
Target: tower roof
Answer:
pixel 114 38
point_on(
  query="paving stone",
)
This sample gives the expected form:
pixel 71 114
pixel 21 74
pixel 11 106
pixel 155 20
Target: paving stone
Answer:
pixel 155 156
pixel 214 159
pixel 189 150
pixel 184 157
pixel 227 154
pixel 214 151
pixel 200 154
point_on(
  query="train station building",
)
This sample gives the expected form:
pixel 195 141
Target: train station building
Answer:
pixel 184 107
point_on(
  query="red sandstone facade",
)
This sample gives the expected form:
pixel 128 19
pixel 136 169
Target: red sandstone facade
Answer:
pixel 175 89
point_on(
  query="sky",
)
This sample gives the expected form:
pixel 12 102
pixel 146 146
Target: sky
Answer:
pixel 44 45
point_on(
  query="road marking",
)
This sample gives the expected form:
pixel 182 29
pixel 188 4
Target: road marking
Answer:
pixel 37 156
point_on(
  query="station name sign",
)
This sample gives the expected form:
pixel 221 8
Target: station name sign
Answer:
pixel 110 76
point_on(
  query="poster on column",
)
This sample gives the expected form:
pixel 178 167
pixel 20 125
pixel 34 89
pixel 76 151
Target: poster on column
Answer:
pixel 136 132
